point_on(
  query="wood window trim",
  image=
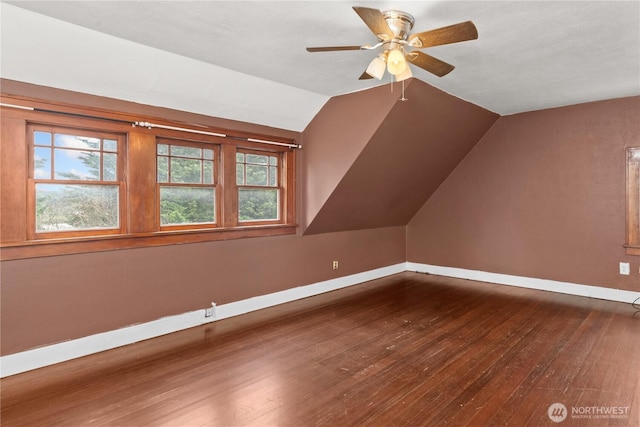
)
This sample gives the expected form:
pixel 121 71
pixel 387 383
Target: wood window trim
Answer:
pixel 280 187
pixel 632 245
pixel 53 247
pixel 142 228
pixel 215 185
pixel 32 233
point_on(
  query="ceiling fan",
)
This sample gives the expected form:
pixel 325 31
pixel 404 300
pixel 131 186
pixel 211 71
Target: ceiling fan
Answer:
pixel 392 28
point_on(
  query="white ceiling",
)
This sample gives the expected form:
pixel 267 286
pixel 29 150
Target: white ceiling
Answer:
pixel 529 55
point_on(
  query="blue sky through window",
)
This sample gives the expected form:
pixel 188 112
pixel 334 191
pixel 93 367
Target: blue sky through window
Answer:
pixel 68 153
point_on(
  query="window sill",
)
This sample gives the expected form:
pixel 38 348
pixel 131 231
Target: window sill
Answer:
pixel 632 250
pixel 54 247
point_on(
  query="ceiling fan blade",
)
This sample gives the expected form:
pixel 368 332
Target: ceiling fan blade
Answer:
pixel 332 48
pixel 375 21
pixel 429 63
pixel 365 76
pixel 452 34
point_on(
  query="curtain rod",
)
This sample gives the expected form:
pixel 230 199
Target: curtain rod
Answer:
pixel 63 113
pixel 154 125
pixel 221 135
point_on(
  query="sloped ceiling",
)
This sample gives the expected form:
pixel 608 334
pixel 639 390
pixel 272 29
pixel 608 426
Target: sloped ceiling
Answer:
pixel 411 151
pixel 37 49
pixel 370 160
pixel 231 58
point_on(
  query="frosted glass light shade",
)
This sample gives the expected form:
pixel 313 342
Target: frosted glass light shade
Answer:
pixel 396 64
pixel 376 68
pixel 406 74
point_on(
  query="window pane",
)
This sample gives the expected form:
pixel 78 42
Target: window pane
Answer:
pixel 76 164
pixel 42 163
pixel 110 145
pixel 240 174
pixel 61 207
pixel 90 142
pixel 79 142
pixel 177 150
pixel 254 158
pixel 187 205
pixel 42 138
pixel 207 173
pixel 257 170
pixel 163 149
pixel 256 205
pixel 208 154
pixel 186 171
pixel 256 175
pixel 163 169
pixel 109 167
pixel 273 176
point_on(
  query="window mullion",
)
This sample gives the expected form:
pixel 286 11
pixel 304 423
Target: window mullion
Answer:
pixel 141 184
pixel 228 186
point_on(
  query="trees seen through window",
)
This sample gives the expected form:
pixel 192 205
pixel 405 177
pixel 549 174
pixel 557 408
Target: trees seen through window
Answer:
pixel 76 181
pixel 186 177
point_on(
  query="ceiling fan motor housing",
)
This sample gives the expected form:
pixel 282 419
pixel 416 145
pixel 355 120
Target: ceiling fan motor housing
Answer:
pixel 399 22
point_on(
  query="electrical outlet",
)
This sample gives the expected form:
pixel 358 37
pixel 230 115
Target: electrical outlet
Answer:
pixel 211 311
pixel 335 265
pixel 624 268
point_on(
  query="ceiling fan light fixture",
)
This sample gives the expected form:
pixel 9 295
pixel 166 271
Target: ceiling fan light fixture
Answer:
pixel 376 67
pixel 396 63
pixel 406 74
pixel 392 29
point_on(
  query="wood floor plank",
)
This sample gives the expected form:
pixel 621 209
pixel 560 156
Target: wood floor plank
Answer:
pixel 407 350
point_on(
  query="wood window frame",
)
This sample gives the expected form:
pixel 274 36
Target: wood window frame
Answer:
pixel 633 201
pixel 279 187
pixel 139 216
pixel 215 184
pixel 32 232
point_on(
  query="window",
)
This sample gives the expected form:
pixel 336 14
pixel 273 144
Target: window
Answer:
pixel 258 181
pixel 78 179
pixel 186 180
pixel 76 185
pixel 633 201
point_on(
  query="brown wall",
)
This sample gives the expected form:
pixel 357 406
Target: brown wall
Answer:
pixel 335 138
pixel 541 195
pixel 420 140
pixel 53 299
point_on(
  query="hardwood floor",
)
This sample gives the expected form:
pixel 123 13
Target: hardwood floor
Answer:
pixel 408 350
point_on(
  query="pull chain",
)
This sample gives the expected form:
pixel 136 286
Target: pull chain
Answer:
pixel 403 98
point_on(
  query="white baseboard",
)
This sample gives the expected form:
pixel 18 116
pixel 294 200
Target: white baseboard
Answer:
pixel 51 354
pixel 48 355
pixel 598 292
